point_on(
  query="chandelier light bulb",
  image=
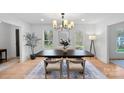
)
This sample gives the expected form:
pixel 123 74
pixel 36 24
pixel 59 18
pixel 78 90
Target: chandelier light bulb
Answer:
pixel 42 20
pixel 69 27
pixel 72 24
pixel 54 24
pixel 65 23
pixel 82 19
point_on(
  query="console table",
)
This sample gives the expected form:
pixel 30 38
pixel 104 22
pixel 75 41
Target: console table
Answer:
pixel 5 51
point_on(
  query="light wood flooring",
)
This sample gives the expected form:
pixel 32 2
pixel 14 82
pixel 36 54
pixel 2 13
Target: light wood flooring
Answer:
pixel 19 70
pixel 111 70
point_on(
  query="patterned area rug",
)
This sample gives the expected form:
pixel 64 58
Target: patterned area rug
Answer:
pixel 91 72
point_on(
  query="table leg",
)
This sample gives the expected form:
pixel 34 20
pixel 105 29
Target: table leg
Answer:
pixel 0 56
pixel 6 55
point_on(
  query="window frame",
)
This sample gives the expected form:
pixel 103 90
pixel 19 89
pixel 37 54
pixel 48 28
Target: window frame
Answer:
pixel 49 40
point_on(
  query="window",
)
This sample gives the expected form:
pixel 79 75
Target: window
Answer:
pixel 120 42
pixel 64 35
pixel 79 40
pixel 48 38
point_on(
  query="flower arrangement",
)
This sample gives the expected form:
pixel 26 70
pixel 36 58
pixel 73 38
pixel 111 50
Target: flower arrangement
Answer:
pixel 65 43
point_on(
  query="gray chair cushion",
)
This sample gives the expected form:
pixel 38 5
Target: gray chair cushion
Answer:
pixel 53 66
pixel 75 67
pixel 75 64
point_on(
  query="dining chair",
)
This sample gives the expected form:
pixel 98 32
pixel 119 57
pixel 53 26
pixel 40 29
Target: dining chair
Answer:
pixel 75 64
pixel 53 64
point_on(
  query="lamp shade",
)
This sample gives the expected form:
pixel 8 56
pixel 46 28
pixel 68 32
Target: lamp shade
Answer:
pixel 92 37
pixel 65 23
pixel 72 24
pixel 69 27
pixel 54 24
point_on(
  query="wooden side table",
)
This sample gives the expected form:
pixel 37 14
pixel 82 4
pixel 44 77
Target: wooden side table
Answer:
pixel 5 51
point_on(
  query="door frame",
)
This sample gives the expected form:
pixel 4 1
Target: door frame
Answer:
pixel 17 27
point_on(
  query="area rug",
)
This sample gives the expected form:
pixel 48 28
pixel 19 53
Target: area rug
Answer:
pixel 91 72
pixel 118 62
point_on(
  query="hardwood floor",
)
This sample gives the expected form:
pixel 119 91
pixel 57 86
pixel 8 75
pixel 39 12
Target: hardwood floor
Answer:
pixel 19 70
pixel 112 71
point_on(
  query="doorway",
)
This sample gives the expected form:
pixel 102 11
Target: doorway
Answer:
pixel 17 42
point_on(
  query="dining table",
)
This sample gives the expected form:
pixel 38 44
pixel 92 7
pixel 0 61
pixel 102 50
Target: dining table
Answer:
pixel 68 53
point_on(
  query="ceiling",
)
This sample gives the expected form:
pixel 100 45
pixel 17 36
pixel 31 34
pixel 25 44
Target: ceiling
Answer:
pixel 90 18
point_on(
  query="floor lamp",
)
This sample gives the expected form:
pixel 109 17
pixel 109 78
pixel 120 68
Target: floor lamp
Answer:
pixel 92 45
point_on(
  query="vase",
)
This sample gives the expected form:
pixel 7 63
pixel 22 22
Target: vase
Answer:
pixel 32 56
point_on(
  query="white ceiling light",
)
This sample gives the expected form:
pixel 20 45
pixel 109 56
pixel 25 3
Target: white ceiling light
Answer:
pixel 82 19
pixel 42 20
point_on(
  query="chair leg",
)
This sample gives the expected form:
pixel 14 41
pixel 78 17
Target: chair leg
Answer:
pixel 45 76
pixel 60 74
pixel 84 70
pixel 60 70
pixel 67 69
pixel 45 70
pixel 61 64
pixel 68 75
pixel 83 75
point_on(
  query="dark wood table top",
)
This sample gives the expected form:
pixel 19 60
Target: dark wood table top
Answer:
pixel 1 50
pixel 61 53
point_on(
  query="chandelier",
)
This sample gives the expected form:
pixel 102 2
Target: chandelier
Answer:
pixel 65 24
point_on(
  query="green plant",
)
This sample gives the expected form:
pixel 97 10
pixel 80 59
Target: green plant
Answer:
pixel 65 43
pixel 31 41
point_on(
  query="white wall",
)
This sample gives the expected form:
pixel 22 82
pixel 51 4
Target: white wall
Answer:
pixel 102 42
pixel 113 32
pixel 5 37
pixel 89 29
pixel 24 27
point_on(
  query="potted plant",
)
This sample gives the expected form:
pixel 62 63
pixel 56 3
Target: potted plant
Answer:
pixel 31 41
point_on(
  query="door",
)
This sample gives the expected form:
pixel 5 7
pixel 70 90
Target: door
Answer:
pixel 17 43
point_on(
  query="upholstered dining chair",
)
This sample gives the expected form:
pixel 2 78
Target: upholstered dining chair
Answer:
pixel 53 64
pixel 75 64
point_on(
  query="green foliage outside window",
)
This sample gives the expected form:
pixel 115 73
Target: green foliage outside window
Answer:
pixel 79 40
pixel 48 39
pixel 120 41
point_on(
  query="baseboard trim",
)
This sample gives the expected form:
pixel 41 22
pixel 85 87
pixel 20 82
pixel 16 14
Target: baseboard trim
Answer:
pixel 116 59
pixel 23 60
pixel 100 60
pixel 11 58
